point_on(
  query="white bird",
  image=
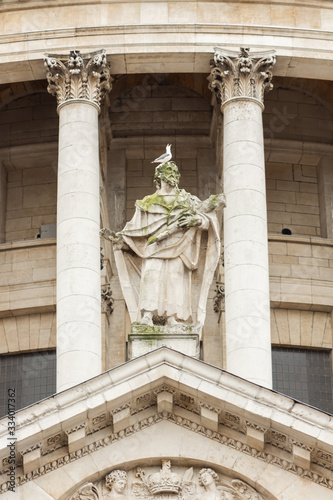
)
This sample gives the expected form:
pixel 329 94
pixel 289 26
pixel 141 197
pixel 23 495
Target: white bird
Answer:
pixel 165 157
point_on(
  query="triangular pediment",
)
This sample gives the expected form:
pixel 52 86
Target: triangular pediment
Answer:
pixel 169 406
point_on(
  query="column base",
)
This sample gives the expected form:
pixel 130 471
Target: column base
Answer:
pixel 182 338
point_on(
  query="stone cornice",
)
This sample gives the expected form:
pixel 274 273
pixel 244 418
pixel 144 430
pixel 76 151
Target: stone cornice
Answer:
pixel 281 31
pixel 321 458
pixel 78 77
pixel 114 386
pixel 125 400
pixel 293 53
pixel 16 4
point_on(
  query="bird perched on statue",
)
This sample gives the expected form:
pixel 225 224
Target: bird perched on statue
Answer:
pixel 165 157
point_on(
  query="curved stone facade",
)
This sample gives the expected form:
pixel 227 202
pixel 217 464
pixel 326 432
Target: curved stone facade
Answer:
pixel 244 93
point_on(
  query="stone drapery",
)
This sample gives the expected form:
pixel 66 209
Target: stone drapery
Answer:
pixel 173 274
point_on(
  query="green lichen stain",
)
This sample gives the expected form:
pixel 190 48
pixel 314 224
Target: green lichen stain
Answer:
pixel 155 332
pixel 158 199
pixel 168 172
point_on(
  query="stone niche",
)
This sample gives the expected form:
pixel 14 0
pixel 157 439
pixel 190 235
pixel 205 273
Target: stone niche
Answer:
pixel 166 481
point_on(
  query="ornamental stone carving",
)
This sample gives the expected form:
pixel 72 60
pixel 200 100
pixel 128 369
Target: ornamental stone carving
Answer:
pixel 241 74
pixel 77 76
pixel 116 482
pixel 218 297
pixel 86 492
pixel 182 483
pixel 164 267
pixel 107 300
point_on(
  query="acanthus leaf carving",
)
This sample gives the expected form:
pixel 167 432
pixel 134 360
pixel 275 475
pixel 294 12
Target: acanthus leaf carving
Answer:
pixel 78 76
pixel 241 74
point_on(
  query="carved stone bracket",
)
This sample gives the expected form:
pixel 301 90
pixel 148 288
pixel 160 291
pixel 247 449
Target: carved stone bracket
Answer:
pixel 31 458
pixel 241 74
pixel 76 437
pixel 53 443
pixel 78 76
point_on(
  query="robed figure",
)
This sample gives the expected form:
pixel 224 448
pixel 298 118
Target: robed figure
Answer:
pixel 167 254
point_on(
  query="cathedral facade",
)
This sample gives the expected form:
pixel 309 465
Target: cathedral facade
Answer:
pixel 166 250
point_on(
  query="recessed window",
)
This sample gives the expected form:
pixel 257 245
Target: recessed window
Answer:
pixel 304 374
pixel 32 375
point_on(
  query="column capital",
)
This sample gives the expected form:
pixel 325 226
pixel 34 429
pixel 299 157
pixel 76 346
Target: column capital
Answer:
pixel 77 76
pixel 241 75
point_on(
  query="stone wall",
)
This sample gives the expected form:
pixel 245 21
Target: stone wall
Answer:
pixel 31 202
pixel 296 115
pixel 28 119
pixel 294 327
pixel 27 277
pixel 292 198
pixel 301 273
pixel 154 104
pixel 28 332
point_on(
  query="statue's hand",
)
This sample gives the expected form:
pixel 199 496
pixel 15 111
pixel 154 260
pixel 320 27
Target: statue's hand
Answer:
pixel 189 220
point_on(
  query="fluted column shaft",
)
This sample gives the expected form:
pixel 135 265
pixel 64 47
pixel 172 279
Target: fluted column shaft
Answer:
pixel 240 82
pixel 76 82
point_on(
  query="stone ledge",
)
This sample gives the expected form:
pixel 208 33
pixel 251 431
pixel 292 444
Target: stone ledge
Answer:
pixel 27 244
pixel 182 338
pixel 309 240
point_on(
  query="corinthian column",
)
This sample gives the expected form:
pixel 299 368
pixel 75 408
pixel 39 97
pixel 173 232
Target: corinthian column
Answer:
pixel 240 81
pixel 79 83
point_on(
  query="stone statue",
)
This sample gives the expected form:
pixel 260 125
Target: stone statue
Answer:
pixel 167 254
pixel 208 478
pixel 222 490
pixel 116 481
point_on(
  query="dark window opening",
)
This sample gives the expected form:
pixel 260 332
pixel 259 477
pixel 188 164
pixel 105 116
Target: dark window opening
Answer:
pixel 304 374
pixel 32 375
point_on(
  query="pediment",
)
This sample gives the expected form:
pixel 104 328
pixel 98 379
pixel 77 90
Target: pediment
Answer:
pixel 167 406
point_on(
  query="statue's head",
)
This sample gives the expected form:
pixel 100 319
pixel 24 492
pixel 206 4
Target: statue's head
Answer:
pixel 207 476
pixel 167 172
pixel 116 479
